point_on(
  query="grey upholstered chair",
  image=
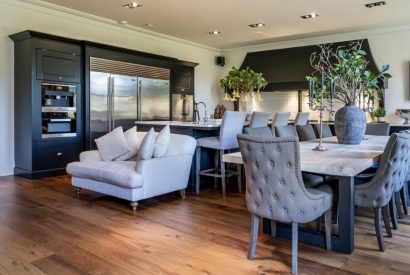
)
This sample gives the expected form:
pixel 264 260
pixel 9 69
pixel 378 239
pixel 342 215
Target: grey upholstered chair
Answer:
pixel 326 132
pixel 301 118
pixel 378 129
pixel 259 132
pixel 275 189
pixel 280 119
pixel 259 119
pixel 305 132
pixel 378 192
pixel 285 131
pixel 232 125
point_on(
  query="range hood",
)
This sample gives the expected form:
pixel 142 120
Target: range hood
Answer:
pixel 286 69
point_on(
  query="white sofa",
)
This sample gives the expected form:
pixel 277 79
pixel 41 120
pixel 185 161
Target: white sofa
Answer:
pixel 134 181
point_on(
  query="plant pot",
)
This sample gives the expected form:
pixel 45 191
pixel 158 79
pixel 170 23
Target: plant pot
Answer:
pixel 350 125
pixel 380 119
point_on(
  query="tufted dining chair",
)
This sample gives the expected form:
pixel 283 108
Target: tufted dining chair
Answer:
pixel 391 173
pixel 302 118
pixel 378 129
pixel 275 189
pixel 326 132
pixel 259 119
pixel 305 132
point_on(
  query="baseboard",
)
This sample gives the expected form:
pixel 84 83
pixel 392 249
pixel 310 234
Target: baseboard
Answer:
pixel 6 168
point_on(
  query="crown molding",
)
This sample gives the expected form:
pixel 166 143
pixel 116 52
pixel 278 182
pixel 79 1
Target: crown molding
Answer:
pixel 319 39
pixel 129 28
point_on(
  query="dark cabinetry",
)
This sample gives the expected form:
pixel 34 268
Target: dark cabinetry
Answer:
pixel 47 103
pixel 183 77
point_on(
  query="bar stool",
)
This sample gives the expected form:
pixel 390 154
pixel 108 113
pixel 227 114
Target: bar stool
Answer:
pixel 301 118
pixel 259 119
pixel 232 125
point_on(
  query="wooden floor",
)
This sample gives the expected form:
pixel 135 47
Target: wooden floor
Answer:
pixel 45 229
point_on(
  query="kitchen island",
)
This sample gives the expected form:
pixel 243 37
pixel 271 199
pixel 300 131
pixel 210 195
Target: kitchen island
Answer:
pixel 195 130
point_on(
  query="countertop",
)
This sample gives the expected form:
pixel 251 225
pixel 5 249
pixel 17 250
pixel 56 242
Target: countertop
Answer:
pixel 213 123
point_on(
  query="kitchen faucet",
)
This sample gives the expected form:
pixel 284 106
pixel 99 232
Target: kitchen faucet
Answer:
pixel 196 114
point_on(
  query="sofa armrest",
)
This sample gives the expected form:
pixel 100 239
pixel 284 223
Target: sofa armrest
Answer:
pixel 90 156
pixel 164 175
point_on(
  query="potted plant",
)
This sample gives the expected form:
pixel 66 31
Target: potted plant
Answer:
pixel 379 114
pixel 243 83
pixel 355 86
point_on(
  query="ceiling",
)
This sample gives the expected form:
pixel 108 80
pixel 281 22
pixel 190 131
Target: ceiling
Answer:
pixel 193 19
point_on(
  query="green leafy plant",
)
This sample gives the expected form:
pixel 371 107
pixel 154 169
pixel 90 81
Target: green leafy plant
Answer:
pixel 347 66
pixel 239 82
pixel 379 112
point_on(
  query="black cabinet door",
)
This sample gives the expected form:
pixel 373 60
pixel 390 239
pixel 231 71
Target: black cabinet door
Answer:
pixel 183 80
pixel 55 154
pixel 58 66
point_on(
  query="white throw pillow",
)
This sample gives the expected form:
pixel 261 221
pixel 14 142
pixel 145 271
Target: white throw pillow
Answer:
pixel 147 146
pixel 133 143
pixel 162 142
pixel 112 145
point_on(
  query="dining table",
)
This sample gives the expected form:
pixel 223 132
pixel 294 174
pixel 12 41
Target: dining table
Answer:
pixel 343 162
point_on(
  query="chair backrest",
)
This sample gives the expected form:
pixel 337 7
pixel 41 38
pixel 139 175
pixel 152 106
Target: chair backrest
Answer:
pixel 390 175
pixel 231 126
pixel 280 119
pixel 259 119
pixel 326 132
pixel 259 132
pixel 305 132
pixel 274 185
pixel 378 129
pixel 286 131
pixel 301 118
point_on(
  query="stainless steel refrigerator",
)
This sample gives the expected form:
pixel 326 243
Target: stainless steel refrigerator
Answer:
pixel 121 93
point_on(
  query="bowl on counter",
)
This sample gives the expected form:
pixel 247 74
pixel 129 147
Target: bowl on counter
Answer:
pixel 404 114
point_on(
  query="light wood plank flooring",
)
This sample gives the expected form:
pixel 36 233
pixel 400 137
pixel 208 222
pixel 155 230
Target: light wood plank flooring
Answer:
pixel 45 229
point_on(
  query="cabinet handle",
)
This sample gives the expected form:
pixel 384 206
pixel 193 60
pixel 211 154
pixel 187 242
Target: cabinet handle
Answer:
pixel 59 154
pixel 59 78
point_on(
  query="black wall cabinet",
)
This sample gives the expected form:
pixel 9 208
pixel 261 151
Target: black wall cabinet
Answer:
pixel 183 75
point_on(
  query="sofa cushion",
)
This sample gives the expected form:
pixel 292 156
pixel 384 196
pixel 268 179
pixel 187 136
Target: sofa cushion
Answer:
pixel 132 141
pixel 121 173
pixel 146 150
pixel 112 145
pixel 162 142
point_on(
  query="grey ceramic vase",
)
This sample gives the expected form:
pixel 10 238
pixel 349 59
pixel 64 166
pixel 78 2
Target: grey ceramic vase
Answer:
pixel 350 125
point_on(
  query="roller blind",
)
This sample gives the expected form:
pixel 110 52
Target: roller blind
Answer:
pixel 125 68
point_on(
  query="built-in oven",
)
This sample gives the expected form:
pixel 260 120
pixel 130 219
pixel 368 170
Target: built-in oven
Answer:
pixel 59 110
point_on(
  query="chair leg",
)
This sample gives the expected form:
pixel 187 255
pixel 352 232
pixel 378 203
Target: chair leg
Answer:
pixel 398 207
pixel 295 229
pixel 393 216
pixel 77 192
pixel 216 166
pixel 134 205
pixel 377 225
pixel 223 183
pixel 328 229
pixel 198 168
pixel 254 236
pixel 239 170
pixel 404 200
pixel 386 219
pixel 272 228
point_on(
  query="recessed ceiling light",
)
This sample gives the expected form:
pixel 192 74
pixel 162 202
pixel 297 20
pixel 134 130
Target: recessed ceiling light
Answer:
pixel 257 25
pixel 310 15
pixel 122 22
pixel 148 25
pixel 214 32
pixel 132 5
pixel 375 4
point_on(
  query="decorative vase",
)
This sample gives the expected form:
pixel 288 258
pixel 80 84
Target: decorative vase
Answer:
pixel 350 125
pixel 246 103
pixel 380 119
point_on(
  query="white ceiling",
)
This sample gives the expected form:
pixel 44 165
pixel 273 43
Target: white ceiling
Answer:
pixel 192 19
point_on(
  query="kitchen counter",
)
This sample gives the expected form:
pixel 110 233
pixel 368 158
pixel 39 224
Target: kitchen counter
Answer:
pixel 210 125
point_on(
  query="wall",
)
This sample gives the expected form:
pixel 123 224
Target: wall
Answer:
pixel 388 46
pixel 16 16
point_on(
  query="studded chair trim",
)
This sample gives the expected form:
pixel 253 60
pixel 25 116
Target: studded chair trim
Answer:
pixel 275 189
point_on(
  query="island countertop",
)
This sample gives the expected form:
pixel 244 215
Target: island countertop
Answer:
pixel 210 125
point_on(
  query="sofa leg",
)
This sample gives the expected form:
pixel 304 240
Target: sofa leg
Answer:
pixel 77 192
pixel 134 205
pixel 182 193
